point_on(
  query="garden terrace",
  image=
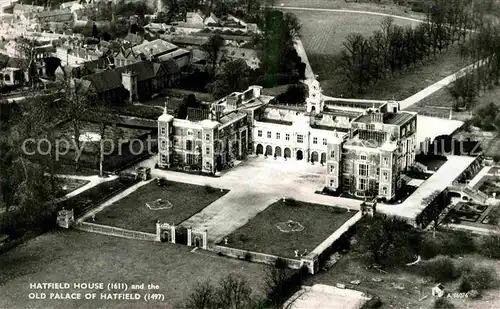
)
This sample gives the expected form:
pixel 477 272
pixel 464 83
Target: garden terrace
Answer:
pixel 310 225
pixel 179 201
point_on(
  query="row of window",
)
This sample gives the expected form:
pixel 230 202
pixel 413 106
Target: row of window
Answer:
pixel 300 137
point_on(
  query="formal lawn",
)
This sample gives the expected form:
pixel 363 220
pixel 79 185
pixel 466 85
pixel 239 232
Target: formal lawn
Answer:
pixel 75 257
pixel 263 233
pixel 179 201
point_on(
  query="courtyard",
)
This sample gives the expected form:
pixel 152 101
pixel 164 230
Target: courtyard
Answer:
pixel 287 226
pixel 173 203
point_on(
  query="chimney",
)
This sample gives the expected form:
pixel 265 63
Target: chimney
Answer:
pixel 377 117
pixel 257 90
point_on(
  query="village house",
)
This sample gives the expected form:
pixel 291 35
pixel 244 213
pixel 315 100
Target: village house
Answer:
pixel 15 49
pixel 25 11
pixel 72 6
pixel 11 76
pixel 133 39
pixel 157 50
pixel 83 69
pixel 59 16
pixel 134 82
pixel 74 53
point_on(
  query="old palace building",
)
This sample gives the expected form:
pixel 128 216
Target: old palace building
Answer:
pixel 364 147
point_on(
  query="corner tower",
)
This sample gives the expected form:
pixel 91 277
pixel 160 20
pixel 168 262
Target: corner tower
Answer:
pixel 165 132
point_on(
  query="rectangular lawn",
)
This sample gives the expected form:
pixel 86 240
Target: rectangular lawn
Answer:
pixel 262 234
pixel 180 201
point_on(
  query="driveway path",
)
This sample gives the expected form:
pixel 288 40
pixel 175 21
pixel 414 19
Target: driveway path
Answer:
pixel 417 97
pixel 348 11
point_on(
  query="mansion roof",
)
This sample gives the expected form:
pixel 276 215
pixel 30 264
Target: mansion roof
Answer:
pixel 388 118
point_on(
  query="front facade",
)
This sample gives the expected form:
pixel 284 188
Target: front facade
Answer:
pixel 365 149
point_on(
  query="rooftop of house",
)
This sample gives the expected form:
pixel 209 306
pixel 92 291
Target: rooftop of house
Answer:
pixel 112 78
pixel 355 103
pixel 277 121
pixel 189 40
pixel 328 128
pixel 397 119
pixel 231 116
pixel 341 113
pixel 174 54
pixel 20 8
pixel 154 48
pixel 54 13
pixel 134 39
pixel 69 4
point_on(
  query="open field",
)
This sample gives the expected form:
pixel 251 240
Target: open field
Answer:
pixel 323 32
pixel 263 234
pixel 180 200
pixel 75 257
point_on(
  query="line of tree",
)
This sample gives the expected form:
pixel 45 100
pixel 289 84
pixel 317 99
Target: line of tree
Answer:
pixel 393 48
pixel 234 292
pixel 483 50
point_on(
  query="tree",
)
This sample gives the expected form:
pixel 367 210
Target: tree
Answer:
pixel 27 51
pixel 295 94
pixel 76 109
pixel 100 113
pixel 213 50
pixel 95 32
pixel 387 241
pixel 187 102
pixel 202 297
pixel 277 53
pixel 232 292
pixel 276 277
pixel 232 76
pixel 433 207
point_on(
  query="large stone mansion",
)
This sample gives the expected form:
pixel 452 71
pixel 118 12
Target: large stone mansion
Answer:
pixel 364 147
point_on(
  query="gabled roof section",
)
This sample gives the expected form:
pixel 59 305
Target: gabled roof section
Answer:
pixel 112 79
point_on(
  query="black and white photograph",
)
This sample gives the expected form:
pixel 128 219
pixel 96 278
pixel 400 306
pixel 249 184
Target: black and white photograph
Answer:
pixel 249 154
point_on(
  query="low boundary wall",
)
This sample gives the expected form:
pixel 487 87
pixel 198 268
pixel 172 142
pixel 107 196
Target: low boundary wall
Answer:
pixel 253 256
pixel 114 231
